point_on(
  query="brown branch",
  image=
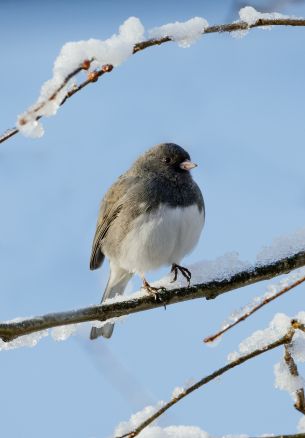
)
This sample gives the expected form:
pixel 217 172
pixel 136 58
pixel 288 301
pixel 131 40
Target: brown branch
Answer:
pixel 246 315
pixel 219 28
pixel 208 290
pixel 286 339
pixel 293 369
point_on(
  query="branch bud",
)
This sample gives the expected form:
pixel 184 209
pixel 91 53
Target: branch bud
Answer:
pixel 107 68
pixel 86 64
pixel 92 76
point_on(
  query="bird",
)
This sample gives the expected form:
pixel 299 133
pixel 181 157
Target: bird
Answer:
pixel 152 216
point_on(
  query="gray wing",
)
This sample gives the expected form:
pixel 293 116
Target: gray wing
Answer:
pixel 110 208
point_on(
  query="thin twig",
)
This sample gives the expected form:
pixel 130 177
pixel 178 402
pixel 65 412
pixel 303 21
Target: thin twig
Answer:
pixel 293 369
pixel 286 339
pixel 102 312
pixel 219 28
pixel 254 309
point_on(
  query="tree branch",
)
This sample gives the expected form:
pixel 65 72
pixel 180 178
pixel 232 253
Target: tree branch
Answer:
pixel 208 290
pixel 254 309
pixel 286 339
pixel 219 28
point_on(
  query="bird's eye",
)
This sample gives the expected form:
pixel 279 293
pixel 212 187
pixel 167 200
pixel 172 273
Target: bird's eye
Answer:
pixel 167 160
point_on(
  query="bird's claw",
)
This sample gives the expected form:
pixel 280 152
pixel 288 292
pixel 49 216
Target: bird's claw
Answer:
pixel 184 271
pixel 153 290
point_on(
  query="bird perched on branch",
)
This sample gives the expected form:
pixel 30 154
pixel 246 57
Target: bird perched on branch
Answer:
pixel 150 217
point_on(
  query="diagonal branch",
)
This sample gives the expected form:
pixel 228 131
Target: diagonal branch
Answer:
pixel 208 290
pixel 286 339
pixel 219 28
pixel 254 309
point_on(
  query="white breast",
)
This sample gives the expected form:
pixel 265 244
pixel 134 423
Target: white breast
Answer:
pixel 161 238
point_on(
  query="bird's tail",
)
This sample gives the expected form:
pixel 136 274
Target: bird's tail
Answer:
pixel 117 282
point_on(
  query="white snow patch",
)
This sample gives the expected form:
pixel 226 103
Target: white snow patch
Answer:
pixel 185 33
pixel 250 15
pixel 177 391
pixel 113 50
pixel 278 327
pixel 153 431
pixel 63 332
pixel 136 419
pixel 282 247
pixel 24 341
pixel 285 381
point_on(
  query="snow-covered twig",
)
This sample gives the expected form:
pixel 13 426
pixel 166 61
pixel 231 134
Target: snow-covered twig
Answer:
pixel 253 20
pixel 254 309
pixel 293 369
pixel 284 340
pixel 209 289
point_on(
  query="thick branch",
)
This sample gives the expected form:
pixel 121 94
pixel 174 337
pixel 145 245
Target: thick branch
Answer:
pixel 219 28
pixel 208 290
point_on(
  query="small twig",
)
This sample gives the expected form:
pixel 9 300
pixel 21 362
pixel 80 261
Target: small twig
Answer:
pixel 220 28
pixel 300 399
pixel 286 339
pixel 253 310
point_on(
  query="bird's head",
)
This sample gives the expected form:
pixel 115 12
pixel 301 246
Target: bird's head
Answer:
pixel 167 157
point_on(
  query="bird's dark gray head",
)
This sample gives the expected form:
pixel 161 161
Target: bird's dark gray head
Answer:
pixel 166 157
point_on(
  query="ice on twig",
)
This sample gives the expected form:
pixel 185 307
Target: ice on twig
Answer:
pixel 185 33
pixel 113 50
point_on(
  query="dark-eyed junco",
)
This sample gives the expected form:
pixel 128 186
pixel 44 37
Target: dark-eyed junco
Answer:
pixel 150 217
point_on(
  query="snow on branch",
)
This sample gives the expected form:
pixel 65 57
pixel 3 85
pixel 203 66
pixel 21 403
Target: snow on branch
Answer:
pixel 210 279
pixel 103 55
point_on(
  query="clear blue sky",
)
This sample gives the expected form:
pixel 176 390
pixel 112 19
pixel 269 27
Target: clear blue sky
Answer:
pixel 238 107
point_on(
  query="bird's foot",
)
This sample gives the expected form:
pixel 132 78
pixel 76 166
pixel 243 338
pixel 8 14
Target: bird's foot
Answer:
pixel 184 271
pixel 152 289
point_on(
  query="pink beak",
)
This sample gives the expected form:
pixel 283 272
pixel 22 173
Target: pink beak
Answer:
pixel 188 165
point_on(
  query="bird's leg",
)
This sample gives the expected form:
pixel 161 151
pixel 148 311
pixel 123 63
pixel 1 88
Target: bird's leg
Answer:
pixel 184 271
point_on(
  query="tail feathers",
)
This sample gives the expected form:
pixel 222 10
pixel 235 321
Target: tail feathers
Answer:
pixel 117 282
pixel 105 331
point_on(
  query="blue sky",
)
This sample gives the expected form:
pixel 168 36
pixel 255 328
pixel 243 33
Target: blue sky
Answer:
pixel 237 105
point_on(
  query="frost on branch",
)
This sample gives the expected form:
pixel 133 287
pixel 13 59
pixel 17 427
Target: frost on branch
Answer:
pixel 184 34
pixel 114 51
